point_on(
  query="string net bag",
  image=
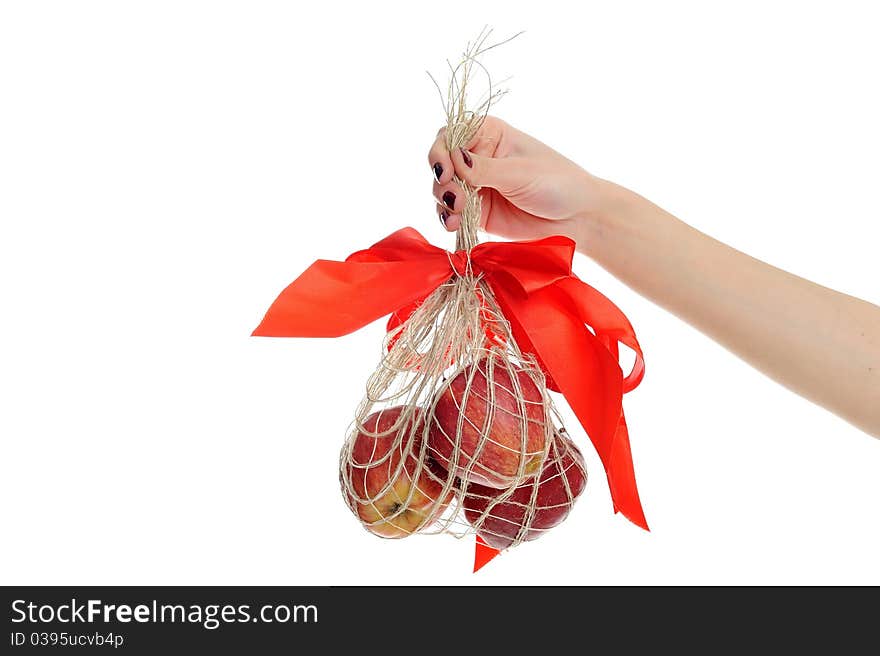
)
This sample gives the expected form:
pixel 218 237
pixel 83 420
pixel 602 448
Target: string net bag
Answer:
pixel 457 433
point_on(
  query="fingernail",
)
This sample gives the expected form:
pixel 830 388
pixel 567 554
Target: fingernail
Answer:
pixel 467 159
pixel 449 199
pixel 443 216
pixel 438 171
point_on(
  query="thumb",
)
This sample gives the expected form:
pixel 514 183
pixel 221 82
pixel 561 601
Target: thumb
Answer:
pixel 504 174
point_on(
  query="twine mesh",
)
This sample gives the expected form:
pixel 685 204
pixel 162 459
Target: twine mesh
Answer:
pixel 456 432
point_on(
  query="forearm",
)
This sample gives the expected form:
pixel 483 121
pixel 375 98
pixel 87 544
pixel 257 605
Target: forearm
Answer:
pixel 820 343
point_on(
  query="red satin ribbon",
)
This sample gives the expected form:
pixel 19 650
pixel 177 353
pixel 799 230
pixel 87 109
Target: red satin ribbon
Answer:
pixel 548 307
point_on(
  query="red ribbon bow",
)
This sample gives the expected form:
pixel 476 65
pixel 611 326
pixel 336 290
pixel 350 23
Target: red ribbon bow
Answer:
pixel 548 307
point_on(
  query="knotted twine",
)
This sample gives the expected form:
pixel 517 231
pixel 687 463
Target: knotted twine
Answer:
pixel 457 331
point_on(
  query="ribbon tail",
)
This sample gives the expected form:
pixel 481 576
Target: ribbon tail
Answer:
pixel 588 376
pixel 483 554
pixel 624 478
pixel 331 299
pixel 621 453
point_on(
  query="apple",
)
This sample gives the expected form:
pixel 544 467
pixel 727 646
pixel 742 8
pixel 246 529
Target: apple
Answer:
pixel 383 482
pixel 491 444
pixel 500 520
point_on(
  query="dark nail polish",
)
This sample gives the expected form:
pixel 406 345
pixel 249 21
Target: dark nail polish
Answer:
pixel 443 216
pixel 438 171
pixel 449 199
pixel 467 159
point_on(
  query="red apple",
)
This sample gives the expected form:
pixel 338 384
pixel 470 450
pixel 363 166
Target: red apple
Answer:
pixel 391 493
pixel 493 425
pixel 562 480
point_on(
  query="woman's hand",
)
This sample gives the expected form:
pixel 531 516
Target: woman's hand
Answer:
pixel 528 190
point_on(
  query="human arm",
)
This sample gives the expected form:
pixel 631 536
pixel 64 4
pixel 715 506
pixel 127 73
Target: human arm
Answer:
pixel 820 343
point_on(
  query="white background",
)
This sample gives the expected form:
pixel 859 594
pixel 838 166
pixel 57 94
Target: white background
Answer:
pixel 166 168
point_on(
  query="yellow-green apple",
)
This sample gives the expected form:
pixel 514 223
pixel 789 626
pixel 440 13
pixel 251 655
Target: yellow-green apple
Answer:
pixel 497 428
pixel 500 522
pixel 383 481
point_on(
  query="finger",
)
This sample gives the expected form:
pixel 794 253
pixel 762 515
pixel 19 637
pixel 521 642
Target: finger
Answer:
pixel 439 160
pixel 486 199
pixel 488 139
pixel 506 174
pixel 449 220
pixel 503 218
pixel 449 195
